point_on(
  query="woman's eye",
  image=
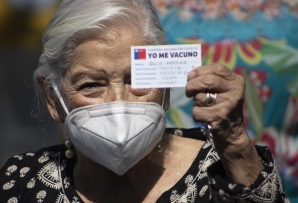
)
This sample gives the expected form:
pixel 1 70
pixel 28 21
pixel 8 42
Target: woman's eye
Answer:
pixel 90 86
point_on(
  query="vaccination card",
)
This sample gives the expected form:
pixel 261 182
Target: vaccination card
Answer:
pixel 163 66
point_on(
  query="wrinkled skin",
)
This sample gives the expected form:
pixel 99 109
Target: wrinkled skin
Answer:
pixel 232 143
pixel 225 117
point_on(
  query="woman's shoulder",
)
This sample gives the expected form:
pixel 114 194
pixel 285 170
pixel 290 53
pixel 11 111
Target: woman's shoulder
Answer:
pixel 21 172
pixel 30 157
pixel 181 148
pixel 22 165
pixel 198 133
pixel 185 143
pixel 189 149
pixel 186 139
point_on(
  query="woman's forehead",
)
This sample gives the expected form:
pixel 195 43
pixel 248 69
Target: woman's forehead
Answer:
pixel 108 53
pixel 117 42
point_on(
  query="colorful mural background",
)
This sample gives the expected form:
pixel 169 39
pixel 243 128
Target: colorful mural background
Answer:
pixel 255 38
pixel 259 40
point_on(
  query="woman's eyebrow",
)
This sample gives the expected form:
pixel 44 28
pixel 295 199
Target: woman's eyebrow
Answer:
pixel 77 76
pixel 86 74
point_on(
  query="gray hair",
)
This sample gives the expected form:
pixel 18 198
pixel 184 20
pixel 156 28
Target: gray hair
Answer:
pixel 76 21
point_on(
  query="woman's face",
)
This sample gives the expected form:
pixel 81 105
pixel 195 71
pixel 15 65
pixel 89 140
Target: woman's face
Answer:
pixel 101 72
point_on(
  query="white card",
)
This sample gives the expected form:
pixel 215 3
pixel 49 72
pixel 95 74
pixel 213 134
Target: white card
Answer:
pixel 163 66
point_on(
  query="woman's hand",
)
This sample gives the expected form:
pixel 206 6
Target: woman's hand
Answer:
pixel 225 117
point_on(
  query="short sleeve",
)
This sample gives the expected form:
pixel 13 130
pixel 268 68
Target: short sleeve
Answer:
pixel 10 180
pixel 268 186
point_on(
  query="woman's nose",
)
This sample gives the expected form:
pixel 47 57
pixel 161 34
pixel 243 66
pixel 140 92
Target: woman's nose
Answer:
pixel 120 93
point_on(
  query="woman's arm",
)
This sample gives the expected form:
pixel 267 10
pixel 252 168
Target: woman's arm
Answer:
pixel 240 160
pixel 238 155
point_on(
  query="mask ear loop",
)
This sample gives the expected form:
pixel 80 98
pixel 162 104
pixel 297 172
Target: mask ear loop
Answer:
pixel 163 97
pixel 69 153
pixel 60 98
pixel 159 146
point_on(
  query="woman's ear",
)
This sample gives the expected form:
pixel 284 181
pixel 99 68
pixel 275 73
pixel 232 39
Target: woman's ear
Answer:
pixel 53 104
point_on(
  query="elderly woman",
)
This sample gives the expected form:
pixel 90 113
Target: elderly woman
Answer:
pixel 116 146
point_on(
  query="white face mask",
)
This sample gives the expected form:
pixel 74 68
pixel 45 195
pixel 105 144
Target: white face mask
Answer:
pixel 116 135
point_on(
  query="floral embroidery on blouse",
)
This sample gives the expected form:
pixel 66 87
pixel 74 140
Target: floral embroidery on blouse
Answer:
pixel 50 175
pixel 48 179
pixel 11 169
pixel 41 195
pixel 24 171
pixel 13 200
pixel 31 183
pixel 190 194
pixel 8 185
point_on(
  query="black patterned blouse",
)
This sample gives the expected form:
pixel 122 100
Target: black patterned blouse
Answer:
pixel 45 176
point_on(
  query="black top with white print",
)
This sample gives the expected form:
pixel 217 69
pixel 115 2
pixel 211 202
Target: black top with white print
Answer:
pixel 45 176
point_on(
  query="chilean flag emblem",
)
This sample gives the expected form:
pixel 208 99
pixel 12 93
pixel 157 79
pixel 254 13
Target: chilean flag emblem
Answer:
pixel 140 54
